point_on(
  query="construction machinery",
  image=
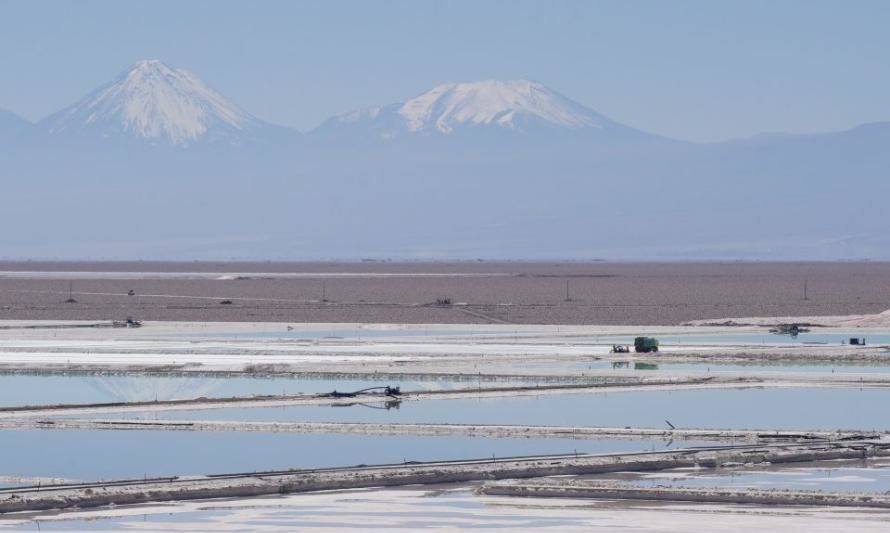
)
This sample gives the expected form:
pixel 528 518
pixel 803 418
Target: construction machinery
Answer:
pixel 645 344
pixel 387 391
pixel 793 330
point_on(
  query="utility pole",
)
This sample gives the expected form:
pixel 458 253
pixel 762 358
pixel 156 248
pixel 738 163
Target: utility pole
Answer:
pixel 324 290
pixel 70 299
pixel 805 297
pixel 567 291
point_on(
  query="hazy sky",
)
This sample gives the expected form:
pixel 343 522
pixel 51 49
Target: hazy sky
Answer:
pixel 697 70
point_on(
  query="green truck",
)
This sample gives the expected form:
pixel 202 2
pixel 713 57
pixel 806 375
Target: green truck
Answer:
pixel 645 344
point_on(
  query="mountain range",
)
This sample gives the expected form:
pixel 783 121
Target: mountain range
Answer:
pixel 156 164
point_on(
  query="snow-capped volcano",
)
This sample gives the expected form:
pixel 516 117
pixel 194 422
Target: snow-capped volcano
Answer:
pixel 156 102
pixel 517 105
pixel 505 103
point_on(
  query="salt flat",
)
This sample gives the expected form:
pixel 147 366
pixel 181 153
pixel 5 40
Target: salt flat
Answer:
pixel 542 357
pixel 453 509
pixel 481 292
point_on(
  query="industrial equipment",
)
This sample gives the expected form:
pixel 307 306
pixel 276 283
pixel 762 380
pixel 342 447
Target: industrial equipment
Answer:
pixel 645 344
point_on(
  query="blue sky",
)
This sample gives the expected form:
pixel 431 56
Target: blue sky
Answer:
pixel 696 70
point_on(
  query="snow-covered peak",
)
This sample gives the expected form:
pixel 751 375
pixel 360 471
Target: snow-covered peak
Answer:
pixel 495 102
pixel 156 102
pixel 514 105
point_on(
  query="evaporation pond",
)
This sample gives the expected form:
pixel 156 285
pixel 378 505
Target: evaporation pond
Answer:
pixel 115 454
pixel 48 389
pixel 653 364
pixel 754 408
pixel 834 337
pixel 781 367
pixel 842 476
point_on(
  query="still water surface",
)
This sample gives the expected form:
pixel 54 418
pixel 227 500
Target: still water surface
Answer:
pixel 90 455
pixel 771 408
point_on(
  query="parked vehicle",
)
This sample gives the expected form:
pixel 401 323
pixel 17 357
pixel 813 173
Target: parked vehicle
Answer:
pixel 645 344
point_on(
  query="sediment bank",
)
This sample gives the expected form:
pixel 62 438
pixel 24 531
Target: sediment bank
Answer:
pixel 254 484
pixel 563 488
pixel 439 430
